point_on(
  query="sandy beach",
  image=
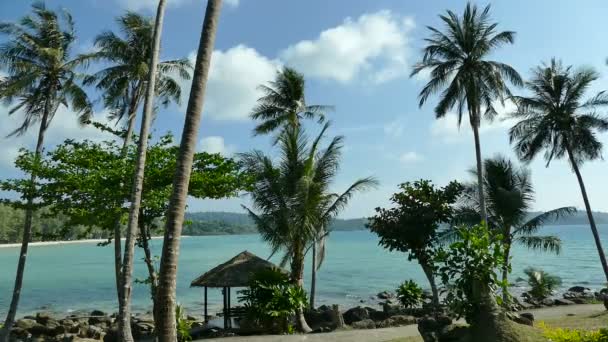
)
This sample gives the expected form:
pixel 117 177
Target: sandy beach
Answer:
pixel 55 243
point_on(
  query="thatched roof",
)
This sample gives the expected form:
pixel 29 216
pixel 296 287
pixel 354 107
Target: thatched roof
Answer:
pixel 234 272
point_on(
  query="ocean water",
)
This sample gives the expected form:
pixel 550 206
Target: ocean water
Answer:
pixel 65 278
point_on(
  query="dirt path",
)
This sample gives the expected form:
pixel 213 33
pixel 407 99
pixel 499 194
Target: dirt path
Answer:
pixel 379 335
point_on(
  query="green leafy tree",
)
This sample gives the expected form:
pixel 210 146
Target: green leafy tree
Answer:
pixel 85 183
pixel 468 270
pixel 509 200
pixel 458 59
pixel 542 284
pixel 291 197
pixel 412 224
pixel 42 76
pixel 284 103
pixel 557 119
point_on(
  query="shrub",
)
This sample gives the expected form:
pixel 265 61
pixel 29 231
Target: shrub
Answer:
pixel 541 283
pixel 469 262
pixel 182 324
pixel 272 298
pixel 571 335
pixel 409 294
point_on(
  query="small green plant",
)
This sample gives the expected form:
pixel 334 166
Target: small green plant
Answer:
pixel 409 294
pixel 182 324
pixel 468 270
pixel 571 335
pixel 542 284
pixel 271 298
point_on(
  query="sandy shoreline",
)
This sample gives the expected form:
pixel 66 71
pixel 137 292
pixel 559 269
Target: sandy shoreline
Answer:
pixel 68 242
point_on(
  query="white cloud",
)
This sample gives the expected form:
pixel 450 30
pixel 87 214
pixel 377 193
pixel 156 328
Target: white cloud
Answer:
pixel 215 144
pixel 137 5
pixel 375 44
pixel 232 88
pixel 448 130
pixel 410 157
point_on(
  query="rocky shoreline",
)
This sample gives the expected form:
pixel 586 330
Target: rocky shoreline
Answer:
pixel 100 326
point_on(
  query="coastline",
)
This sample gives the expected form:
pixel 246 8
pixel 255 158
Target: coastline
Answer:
pixel 64 242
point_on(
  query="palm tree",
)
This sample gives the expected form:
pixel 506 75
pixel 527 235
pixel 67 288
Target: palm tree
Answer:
pixel 124 312
pixel 284 103
pixel 124 82
pixel 292 197
pixel 460 68
pixel 509 199
pixel 165 317
pixel 42 75
pixel 556 118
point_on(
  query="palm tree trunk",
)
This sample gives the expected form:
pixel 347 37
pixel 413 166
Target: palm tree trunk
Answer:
pixel 27 230
pixel 313 280
pixel 428 272
pixel 297 277
pixel 127 266
pixel 145 235
pixel 475 121
pixel 165 325
pixel 117 225
pixel 505 272
pixel 596 235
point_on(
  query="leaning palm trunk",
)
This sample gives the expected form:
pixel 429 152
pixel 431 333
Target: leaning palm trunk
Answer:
pixel 27 228
pixel 127 267
pixel 297 277
pixel 596 235
pixel 165 324
pixel 118 225
pixel 313 280
pixel 475 121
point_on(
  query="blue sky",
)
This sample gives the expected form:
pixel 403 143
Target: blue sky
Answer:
pixel 356 55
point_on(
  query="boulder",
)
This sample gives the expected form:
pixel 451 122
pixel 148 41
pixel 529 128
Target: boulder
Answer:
pixel 355 315
pixel 391 309
pixel 527 315
pixel 376 315
pixel 579 289
pixel 385 295
pixel 399 320
pixel 26 323
pixel 560 301
pixel 433 328
pixel 548 302
pixel 364 324
pixel 95 332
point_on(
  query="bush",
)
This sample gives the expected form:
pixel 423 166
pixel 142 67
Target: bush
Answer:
pixel 541 283
pixel 570 335
pixel 272 298
pixel 182 324
pixel 469 262
pixel 409 294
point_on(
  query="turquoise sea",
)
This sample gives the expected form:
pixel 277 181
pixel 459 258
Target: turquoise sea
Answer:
pixel 65 278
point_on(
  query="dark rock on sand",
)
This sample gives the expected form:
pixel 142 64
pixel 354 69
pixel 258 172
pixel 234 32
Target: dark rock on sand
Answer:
pixel 355 315
pixel 364 324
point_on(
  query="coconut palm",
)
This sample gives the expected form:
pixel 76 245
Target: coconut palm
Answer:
pixel 291 198
pixel 284 103
pixel 459 65
pixel 557 119
pixel 165 317
pixel 509 200
pixel 42 76
pixel 123 84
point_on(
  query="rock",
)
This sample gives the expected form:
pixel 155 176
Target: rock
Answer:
pixel 355 315
pixel 560 301
pixel 548 302
pixel 399 320
pixel 43 317
pixel 98 313
pixel 523 320
pixel 433 328
pixel 579 289
pixel 376 315
pixel 391 309
pixel 385 295
pixel 95 332
pixel 527 315
pixel 26 323
pixel 364 324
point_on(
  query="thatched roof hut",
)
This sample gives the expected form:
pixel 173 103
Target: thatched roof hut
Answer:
pixel 235 272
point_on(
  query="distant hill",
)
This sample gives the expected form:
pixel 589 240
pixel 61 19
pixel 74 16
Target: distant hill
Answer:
pixel 227 223
pixel 218 223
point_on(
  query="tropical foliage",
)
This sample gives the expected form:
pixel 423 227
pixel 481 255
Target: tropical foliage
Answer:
pixel 556 118
pixel 542 284
pixel 412 225
pixel 409 294
pixel 572 335
pixel 459 63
